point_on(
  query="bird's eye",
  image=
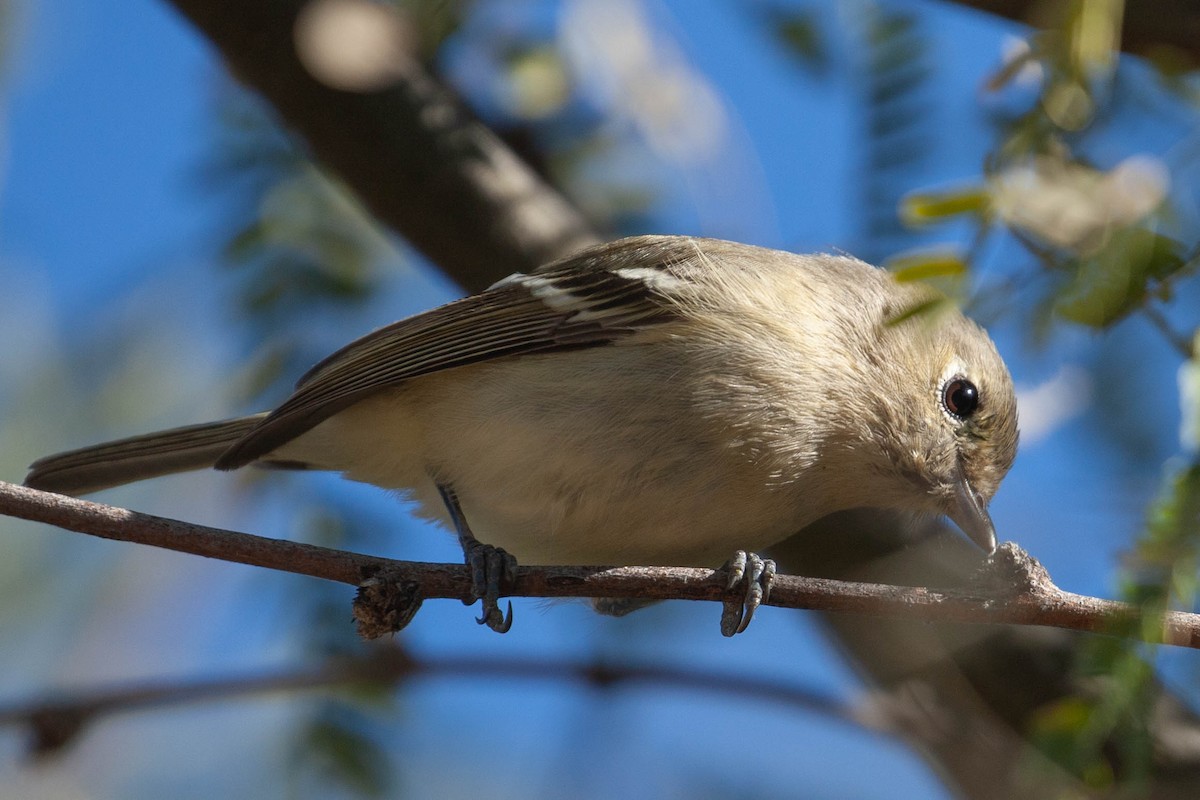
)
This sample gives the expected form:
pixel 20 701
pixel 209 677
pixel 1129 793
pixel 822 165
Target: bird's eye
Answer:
pixel 960 397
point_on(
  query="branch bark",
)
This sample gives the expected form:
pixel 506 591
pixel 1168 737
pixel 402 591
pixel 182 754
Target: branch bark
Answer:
pixel 1012 588
pixel 969 698
pixel 966 696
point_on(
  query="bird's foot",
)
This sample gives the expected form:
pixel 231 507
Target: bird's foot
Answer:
pixel 491 569
pixel 755 574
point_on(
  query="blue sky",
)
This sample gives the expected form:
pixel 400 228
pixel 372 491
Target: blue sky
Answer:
pixel 103 219
pixel 107 110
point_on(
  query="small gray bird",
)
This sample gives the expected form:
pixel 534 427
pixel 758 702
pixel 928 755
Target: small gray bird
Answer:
pixel 659 400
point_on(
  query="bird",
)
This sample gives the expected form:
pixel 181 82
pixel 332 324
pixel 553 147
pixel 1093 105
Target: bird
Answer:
pixel 655 400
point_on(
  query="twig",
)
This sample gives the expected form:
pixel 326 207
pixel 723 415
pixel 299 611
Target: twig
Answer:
pixel 1011 587
pixel 57 721
pixel 1181 343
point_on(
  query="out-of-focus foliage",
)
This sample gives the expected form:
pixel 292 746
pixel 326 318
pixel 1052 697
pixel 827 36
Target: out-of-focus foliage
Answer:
pixel 341 746
pixel 1103 289
pixel 897 135
pixel 300 243
pixel 1161 575
pixel 1108 240
pixel 304 253
pixel 1104 236
pixel 801 32
pixel 1104 244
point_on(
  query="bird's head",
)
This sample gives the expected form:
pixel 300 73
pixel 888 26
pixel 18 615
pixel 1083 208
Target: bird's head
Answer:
pixel 947 419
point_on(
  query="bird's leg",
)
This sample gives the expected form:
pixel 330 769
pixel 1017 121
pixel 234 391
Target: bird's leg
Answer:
pixel 757 574
pixel 491 567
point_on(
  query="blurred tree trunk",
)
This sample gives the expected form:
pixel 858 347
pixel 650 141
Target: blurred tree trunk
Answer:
pixel 423 165
pixel 964 697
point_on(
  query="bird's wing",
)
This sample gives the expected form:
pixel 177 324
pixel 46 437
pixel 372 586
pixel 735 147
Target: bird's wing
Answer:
pixel 591 299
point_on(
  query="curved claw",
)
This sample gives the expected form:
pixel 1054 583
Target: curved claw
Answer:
pixel 757 574
pixel 498 622
pixel 491 567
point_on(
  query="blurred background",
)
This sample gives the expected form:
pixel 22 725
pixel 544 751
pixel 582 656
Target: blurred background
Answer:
pixel 170 253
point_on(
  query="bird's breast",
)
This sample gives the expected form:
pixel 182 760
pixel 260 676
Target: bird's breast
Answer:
pixel 599 457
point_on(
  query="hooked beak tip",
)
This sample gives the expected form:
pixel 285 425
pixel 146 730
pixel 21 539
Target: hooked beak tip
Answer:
pixel 971 515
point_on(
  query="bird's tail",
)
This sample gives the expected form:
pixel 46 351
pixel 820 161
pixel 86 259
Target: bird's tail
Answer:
pixel 100 466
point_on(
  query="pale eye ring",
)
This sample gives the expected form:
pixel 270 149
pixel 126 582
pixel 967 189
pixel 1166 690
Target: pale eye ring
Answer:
pixel 960 398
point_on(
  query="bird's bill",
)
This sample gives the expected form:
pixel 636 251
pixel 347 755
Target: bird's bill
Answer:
pixel 971 515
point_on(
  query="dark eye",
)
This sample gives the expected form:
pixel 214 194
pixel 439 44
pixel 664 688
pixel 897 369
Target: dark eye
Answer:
pixel 960 397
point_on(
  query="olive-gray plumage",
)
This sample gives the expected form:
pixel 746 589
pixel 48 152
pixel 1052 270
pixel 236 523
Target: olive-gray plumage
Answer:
pixel 655 400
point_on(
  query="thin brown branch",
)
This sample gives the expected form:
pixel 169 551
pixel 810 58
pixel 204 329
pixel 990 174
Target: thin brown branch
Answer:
pixel 57 721
pixel 1012 588
pixel 1007 675
pixel 1181 344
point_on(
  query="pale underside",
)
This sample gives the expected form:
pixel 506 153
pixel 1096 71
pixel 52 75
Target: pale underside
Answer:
pixel 582 467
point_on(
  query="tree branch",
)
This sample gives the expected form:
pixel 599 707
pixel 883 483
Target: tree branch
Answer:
pixel 418 159
pixel 55 722
pixel 994 682
pixel 1011 588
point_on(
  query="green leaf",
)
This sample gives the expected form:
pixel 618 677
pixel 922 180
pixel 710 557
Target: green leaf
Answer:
pixel 926 208
pixel 932 306
pixel 1109 285
pixel 1109 726
pixel 927 266
pixel 801 35
pixel 337 748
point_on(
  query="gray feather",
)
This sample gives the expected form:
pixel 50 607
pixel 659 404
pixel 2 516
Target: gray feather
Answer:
pixel 150 455
pixel 591 299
